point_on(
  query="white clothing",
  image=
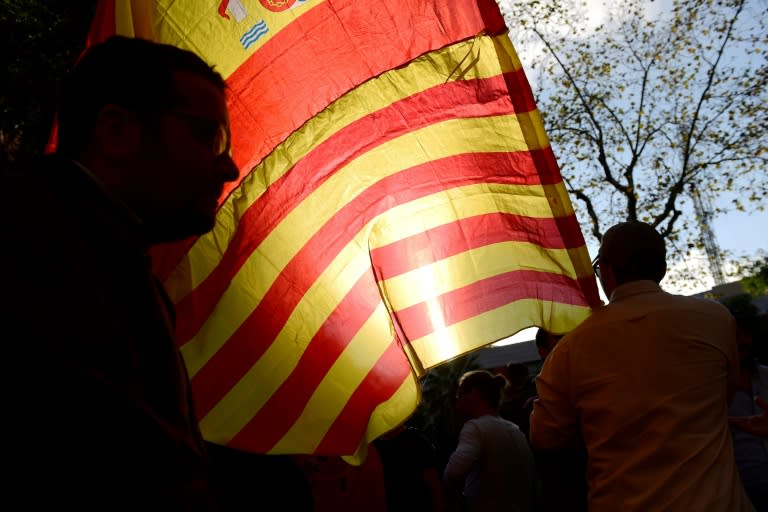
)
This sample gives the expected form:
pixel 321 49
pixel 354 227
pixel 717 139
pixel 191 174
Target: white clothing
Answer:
pixel 495 463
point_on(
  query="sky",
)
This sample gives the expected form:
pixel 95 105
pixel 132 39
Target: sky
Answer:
pixel 740 234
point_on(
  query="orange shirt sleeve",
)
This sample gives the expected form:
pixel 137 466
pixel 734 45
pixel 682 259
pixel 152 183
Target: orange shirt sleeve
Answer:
pixel 554 420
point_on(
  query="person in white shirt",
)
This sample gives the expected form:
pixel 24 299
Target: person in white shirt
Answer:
pixel 492 463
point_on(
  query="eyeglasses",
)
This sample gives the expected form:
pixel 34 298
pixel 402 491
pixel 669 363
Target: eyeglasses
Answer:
pixel 596 266
pixel 206 129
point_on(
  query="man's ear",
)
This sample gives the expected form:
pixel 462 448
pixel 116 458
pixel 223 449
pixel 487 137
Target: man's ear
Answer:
pixel 662 273
pixel 117 131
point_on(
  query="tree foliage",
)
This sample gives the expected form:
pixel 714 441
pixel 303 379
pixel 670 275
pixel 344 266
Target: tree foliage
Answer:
pixel 40 39
pixel 654 105
pixel 755 282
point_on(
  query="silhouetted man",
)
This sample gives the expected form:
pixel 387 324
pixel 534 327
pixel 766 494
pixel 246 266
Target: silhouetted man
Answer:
pixel 98 403
pixel 646 380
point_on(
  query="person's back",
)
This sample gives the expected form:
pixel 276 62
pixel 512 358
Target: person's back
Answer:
pixel 652 401
pixel 503 479
pixel 492 463
pixel 645 381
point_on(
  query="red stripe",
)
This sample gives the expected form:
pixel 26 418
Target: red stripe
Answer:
pixel 347 42
pixel 449 239
pixel 448 101
pixel 336 46
pixel 588 286
pixel 274 419
pixel 575 238
pixel 523 97
pixel 379 385
pixel 486 295
pixel 255 335
pixel 104 23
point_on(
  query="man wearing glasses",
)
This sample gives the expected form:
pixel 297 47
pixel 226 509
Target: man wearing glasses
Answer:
pixel 646 380
pixel 97 399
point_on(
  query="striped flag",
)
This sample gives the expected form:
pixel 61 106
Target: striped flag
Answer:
pixel 398 205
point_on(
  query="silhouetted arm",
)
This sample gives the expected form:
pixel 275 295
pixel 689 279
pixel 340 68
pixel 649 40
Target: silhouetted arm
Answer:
pixel 554 421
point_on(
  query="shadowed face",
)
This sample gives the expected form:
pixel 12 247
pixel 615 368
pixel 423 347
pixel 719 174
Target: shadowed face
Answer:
pixel 465 401
pixel 184 162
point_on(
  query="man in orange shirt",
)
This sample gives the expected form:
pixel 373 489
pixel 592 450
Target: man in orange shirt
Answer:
pixel 646 380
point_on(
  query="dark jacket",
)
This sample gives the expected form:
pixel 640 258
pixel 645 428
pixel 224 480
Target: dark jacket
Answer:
pixel 96 393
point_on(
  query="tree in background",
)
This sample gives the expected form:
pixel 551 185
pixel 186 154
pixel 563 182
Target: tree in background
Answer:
pixel 658 103
pixel 40 39
pixel 755 282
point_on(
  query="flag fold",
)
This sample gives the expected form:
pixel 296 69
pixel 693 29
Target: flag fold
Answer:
pixel 398 205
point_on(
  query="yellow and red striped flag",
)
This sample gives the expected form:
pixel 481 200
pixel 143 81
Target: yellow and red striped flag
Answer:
pixel 398 205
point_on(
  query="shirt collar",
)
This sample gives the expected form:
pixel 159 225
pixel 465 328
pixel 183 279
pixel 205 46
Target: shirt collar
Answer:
pixel 634 288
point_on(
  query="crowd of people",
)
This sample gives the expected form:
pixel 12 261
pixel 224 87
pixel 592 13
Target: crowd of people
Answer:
pixel 654 403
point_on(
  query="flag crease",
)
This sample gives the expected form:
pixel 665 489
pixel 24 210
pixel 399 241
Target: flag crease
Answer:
pixel 398 205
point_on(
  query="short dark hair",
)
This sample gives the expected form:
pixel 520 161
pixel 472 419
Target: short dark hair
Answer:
pixel 517 373
pixel 134 73
pixel 490 386
pixel 635 251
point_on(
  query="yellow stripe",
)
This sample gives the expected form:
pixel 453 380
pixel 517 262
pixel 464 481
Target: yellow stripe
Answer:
pixel 442 140
pixel 560 203
pixel 480 330
pixel 395 411
pixel 581 262
pixel 259 272
pixel 399 222
pixel 431 281
pixel 242 402
pixel 310 313
pixel 532 127
pixel 388 415
pixel 204 255
pixel 332 394
pixel 124 18
pixel 197 25
pixel 449 138
pixel 447 206
pixel 421 74
pixel 133 18
pixel 434 142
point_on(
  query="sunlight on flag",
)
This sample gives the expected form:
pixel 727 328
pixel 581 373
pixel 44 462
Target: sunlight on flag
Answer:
pixel 398 205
